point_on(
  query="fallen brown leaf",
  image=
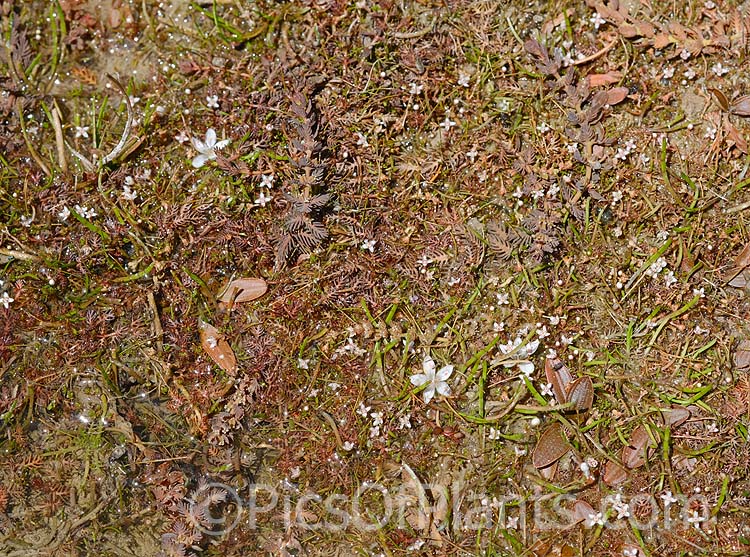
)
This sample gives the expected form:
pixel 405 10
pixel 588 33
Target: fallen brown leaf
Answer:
pixel 552 446
pixel 217 348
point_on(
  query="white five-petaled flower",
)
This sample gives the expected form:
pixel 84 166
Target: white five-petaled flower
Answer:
pixel 434 380
pixel 207 148
pixel 82 131
pixel 6 300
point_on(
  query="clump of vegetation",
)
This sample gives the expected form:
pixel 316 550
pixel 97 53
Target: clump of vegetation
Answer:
pixel 390 278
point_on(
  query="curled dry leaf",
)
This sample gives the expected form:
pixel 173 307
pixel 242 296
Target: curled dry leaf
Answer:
pixel 581 511
pixel 215 346
pixel 599 79
pixel 636 453
pixel 559 376
pixel 552 446
pixel 243 290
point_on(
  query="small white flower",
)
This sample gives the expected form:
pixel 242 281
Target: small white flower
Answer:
pixel 423 261
pixel 718 69
pixel 699 292
pixel 597 20
pixel 595 518
pixel 668 72
pixel 368 245
pixel 85 212
pixel 362 140
pixel 26 221
pixel 520 451
pixel 263 199
pixel 82 131
pixel 181 137
pixel 207 148
pixel 404 422
pixel 436 381
pixel 212 101
pixel 6 300
pixel 363 410
pixel 463 79
pixel 472 155
pixel 695 519
pixel 212 342
pixel 710 133
pixel 668 498
pixel 415 88
pixel 669 279
pixel 303 364
pixel 503 298
pixel 547 390
pixel 522 353
pixel 511 522
pixel 543 127
pixel 447 124
pixel 64 214
pixel 630 552
pixel 129 194
pixel 622 508
pixel 494 434
pixel 616 196
pixel 542 332
pixel 266 180
pixel 347 446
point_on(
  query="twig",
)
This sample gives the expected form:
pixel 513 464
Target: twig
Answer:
pixel 596 55
pixel 59 140
pixel 32 151
pixel 114 153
